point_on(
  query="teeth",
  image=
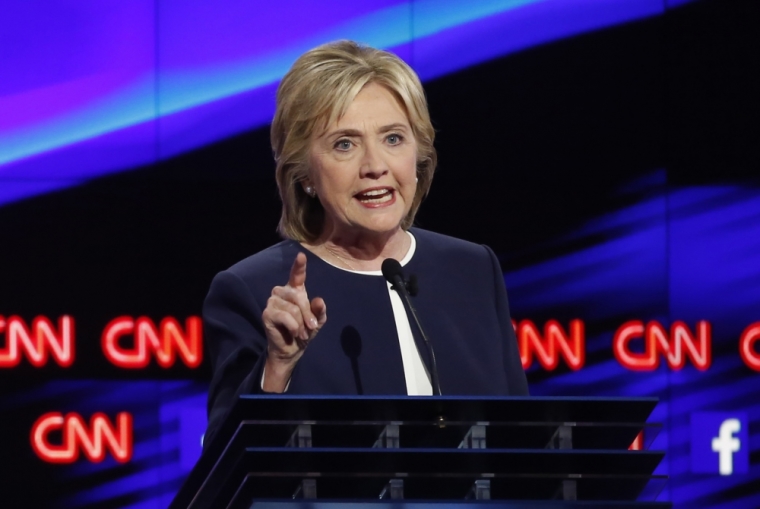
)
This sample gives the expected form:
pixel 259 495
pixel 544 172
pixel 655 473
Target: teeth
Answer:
pixel 376 196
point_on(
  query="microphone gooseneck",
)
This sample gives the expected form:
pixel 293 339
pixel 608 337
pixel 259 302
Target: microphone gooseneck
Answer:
pixel 394 274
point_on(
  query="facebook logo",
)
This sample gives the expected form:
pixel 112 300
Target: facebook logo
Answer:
pixel 719 443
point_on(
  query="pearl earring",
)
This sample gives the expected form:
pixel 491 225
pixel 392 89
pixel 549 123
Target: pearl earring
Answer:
pixel 310 191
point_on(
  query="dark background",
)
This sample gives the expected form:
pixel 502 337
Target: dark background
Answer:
pixel 532 146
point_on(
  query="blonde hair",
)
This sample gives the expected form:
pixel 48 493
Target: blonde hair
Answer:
pixel 316 91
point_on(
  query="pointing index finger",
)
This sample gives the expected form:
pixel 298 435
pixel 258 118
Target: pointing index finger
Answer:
pixel 298 271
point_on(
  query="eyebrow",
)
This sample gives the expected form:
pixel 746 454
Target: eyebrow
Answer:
pixel 393 127
pixel 343 132
pixel 356 133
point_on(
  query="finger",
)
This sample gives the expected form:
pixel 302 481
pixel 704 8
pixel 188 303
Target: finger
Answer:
pixel 280 320
pixel 290 294
pixel 284 305
pixel 277 303
pixel 298 271
pixel 319 308
pixel 300 299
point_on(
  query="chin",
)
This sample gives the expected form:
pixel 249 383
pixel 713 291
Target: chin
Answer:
pixel 381 227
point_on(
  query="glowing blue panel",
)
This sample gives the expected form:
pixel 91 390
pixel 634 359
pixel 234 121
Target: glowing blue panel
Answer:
pixel 73 71
pixel 91 88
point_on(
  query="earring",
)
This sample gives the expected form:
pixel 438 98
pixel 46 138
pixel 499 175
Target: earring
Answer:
pixel 310 191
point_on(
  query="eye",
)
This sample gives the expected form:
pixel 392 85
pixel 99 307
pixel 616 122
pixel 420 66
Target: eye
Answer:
pixel 343 145
pixel 394 139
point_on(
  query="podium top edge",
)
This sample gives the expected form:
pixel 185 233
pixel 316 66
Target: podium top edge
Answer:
pixel 397 398
pixel 449 408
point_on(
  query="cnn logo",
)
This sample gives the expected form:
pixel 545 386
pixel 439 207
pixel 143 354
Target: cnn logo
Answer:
pixel 552 344
pixel 93 439
pixel 38 342
pixel 166 342
pixel 675 345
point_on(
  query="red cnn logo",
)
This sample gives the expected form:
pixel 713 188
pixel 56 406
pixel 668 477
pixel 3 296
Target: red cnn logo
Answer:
pixel 77 435
pixel 36 343
pixel 165 342
pixel 749 337
pixel 676 346
pixel 572 346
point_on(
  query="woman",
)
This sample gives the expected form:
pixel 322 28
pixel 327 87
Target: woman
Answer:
pixel 354 148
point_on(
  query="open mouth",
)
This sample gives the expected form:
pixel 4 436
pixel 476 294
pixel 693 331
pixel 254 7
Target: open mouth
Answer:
pixel 375 196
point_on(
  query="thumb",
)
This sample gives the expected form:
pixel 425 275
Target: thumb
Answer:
pixel 319 308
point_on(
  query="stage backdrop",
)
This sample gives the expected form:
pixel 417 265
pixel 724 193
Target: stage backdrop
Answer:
pixel 606 149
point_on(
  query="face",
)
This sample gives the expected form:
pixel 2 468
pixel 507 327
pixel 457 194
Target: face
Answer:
pixel 363 166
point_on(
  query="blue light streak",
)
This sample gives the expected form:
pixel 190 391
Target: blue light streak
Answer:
pixel 436 37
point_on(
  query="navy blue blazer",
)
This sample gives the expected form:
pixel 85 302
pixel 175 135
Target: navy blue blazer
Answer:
pixel 462 305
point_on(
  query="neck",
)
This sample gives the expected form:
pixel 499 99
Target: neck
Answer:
pixel 366 252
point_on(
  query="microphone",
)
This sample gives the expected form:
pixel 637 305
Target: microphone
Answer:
pixel 394 274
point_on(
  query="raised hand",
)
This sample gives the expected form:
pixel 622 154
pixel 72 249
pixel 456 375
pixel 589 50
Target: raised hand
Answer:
pixel 291 321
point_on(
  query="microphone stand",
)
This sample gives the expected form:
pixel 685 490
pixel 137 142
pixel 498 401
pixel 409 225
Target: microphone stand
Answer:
pixel 400 286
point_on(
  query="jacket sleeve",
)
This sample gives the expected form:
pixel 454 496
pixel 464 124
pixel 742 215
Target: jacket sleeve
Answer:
pixel 235 342
pixel 516 379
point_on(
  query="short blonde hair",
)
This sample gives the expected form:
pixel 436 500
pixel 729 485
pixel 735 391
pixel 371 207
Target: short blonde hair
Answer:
pixel 316 91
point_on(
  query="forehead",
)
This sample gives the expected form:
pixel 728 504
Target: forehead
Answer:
pixel 374 104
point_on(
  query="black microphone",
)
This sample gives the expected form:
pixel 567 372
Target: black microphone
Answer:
pixel 394 274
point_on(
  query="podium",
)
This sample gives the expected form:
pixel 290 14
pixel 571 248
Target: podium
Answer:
pixel 288 451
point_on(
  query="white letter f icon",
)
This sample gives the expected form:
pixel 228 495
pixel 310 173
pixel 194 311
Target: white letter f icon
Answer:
pixel 725 444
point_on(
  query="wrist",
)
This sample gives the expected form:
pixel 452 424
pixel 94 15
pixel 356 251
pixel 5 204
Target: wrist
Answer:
pixel 277 373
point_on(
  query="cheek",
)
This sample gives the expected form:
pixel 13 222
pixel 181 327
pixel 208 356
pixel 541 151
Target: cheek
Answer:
pixel 336 186
pixel 326 173
pixel 410 172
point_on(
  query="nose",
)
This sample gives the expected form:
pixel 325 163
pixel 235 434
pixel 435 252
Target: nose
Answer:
pixel 373 163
